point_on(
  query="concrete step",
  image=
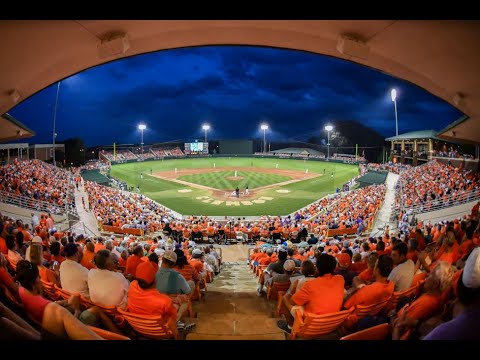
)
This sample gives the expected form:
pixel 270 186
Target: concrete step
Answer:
pixel 235 324
pixel 242 303
pixel 194 336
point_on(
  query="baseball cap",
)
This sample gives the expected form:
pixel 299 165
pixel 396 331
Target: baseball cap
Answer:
pixel 343 259
pixel 146 272
pixel 170 255
pixel 196 253
pixel 289 265
pixel 37 239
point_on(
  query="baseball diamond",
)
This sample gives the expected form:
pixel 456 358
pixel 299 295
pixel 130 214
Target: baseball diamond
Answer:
pixel 272 190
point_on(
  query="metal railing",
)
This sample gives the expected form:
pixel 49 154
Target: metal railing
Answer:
pixel 442 203
pixel 37 205
pixel 86 230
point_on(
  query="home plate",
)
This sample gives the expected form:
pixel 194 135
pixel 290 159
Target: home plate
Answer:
pixel 184 190
pixel 283 191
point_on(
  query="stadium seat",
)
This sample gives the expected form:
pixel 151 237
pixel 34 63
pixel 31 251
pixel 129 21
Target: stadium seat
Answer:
pixel 152 327
pixel 373 309
pixel 273 290
pixel 378 332
pixel 49 290
pixel 312 326
pixel 62 293
pixel 392 303
pixel 111 311
pixel 278 311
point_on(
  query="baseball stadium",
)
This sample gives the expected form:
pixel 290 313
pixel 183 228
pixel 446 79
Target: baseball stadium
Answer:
pixel 252 234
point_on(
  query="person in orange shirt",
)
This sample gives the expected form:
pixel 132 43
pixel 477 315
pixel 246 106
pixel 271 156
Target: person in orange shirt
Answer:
pixel 320 296
pixel 88 255
pixel 122 261
pixel 366 276
pixel 430 303
pixel 145 299
pixel 267 259
pixel 99 245
pixel 358 265
pixel 133 261
pixel 36 257
pixel 380 290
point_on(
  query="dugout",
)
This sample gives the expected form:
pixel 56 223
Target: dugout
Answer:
pixel 94 175
pixel 372 178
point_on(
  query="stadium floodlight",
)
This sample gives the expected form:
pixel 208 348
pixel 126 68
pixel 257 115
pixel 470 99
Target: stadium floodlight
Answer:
pixel 142 127
pixel 54 121
pixel 206 127
pixel 328 128
pixel 264 127
pixel 393 93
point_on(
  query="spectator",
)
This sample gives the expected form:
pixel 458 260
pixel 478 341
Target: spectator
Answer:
pixel 106 286
pixel 73 276
pixel 320 296
pixel 402 274
pixel 466 323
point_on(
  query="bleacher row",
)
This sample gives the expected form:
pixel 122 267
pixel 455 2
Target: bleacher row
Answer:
pixel 149 153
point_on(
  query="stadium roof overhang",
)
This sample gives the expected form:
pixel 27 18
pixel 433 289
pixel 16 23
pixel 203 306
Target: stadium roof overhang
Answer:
pixel 463 130
pixel 440 56
pixel 12 129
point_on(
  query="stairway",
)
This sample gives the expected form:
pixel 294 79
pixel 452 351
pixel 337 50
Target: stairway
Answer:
pixel 87 223
pixel 385 212
pixel 233 311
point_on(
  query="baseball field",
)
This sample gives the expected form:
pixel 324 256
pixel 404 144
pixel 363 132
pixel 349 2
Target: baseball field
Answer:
pixel 206 186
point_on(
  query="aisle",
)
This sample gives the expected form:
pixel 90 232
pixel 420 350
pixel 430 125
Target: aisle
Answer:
pixel 86 217
pixel 232 310
pixel 385 212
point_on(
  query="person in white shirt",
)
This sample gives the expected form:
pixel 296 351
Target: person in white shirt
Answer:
pixel 73 276
pixel 35 221
pixel 106 286
pixel 402 274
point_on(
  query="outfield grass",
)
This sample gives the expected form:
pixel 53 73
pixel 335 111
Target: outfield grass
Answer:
pixel 218 179
pixel 300 193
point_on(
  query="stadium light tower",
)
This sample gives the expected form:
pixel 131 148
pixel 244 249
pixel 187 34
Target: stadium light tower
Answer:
pixel 264 127
pixel 142 127
pixel 54 120
pixel 393 93
pixel 206 127
pixel 328 128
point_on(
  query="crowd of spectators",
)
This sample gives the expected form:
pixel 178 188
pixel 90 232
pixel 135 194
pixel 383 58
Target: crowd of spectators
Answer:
pixel 35 181
pixel 434 184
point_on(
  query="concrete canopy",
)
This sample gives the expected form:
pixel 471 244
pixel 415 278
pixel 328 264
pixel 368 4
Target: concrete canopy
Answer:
pixel 441 56
pixel 12 129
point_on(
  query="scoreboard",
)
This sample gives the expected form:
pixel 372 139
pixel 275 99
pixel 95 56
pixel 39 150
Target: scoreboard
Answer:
pixel 195 148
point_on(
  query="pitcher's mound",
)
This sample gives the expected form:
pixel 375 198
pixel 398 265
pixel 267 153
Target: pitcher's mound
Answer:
pixel 233 178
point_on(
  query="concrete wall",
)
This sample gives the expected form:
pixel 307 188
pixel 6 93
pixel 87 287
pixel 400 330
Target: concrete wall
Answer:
pixel 450 213
pixel 25 214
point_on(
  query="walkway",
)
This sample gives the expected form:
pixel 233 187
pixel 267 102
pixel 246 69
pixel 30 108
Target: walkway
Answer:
pixel 232 310
pixel 87 223
pixel 385 211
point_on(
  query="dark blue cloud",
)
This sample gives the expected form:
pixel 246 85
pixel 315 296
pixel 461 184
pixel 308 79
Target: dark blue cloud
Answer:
pixel 234 89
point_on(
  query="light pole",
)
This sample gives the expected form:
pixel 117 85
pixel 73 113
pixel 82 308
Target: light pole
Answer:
pixel 393 93
pixel 206 127
pixel 142 127
pixel 54 120
pixel 264 127
pixel 328 128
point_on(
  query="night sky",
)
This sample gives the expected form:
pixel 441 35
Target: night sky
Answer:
pixel 234 89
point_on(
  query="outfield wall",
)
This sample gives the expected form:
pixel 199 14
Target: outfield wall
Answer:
pixel 234 155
